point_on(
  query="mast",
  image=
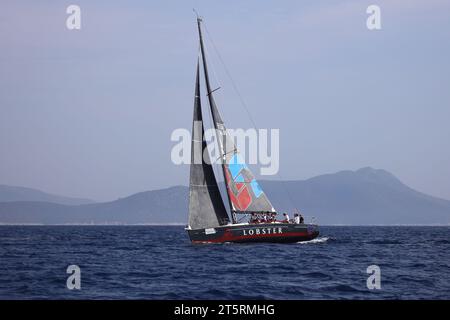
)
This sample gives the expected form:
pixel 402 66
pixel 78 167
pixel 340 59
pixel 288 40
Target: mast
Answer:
pixel 215 116
pixel 206 208
pixel 243 191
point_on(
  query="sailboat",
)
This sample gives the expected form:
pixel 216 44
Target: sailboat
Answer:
pixel 209 221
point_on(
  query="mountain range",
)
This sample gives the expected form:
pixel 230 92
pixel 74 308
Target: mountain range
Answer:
pixel 13 193
pixel 363 197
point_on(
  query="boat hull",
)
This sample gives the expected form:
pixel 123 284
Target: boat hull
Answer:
pixel 264 232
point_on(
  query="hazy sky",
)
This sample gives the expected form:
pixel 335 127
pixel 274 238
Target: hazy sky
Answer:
pixel 89 113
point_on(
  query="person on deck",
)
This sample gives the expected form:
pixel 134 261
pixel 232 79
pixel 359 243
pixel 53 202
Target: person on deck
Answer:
pixel 302 220
pixel 297 218
pixel 286 218
pixel 274 217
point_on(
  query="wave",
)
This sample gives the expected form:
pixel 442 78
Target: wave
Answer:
pixel 317 275
pixel 384 242
pixel 343 288
pixel 442 242
pixel 317 240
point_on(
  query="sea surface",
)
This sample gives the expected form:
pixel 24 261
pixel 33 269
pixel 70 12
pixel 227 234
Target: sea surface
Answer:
pixel 159 262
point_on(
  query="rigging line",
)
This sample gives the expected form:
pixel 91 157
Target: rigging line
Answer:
pixel 203 185
pixel 229 76
pixel 214 74
pixel 219 84
pixel 235 150
pixel 217 165
pixel 242 101
pixel 214 144
pixel 210 122
pixel 241 219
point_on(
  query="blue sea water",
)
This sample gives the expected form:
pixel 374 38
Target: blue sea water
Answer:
pixel 156 262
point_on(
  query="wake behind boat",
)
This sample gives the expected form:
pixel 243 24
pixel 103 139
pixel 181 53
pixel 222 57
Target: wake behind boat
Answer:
pixel 209 221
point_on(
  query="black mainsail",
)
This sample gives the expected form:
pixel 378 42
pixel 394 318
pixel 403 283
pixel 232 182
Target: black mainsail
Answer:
pixel 206 208
pixel 243 191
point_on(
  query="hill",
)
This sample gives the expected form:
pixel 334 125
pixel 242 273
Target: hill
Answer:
pixel 363 197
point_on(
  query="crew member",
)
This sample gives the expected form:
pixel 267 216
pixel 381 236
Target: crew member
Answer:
pixel 297 218
pixel 274 217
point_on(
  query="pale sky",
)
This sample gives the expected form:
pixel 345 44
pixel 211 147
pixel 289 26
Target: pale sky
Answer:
pixel 89 113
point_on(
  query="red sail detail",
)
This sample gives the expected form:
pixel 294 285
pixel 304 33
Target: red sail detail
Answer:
pixel 239 196
pixel 239 185
pixel 233 198
pixel 244 198
pixel 234 201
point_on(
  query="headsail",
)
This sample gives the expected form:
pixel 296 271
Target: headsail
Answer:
pixel 244 192
pixel 206 208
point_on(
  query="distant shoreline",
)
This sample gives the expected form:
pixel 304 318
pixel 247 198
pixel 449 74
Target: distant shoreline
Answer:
pixel 365 196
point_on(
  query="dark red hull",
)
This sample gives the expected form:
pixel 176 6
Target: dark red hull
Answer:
pixel 267 232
